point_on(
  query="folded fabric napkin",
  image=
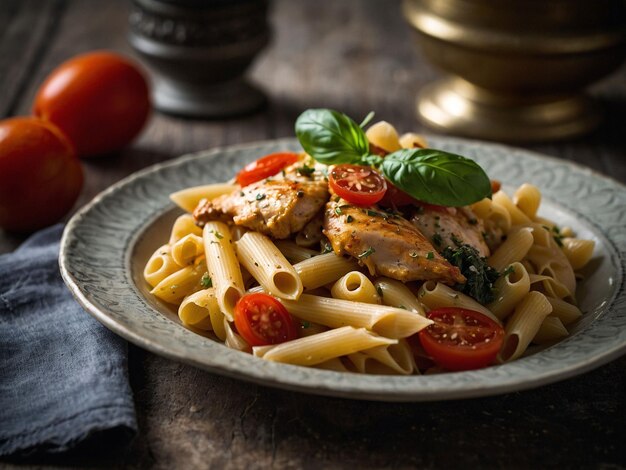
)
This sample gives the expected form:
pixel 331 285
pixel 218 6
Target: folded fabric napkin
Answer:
pixel 63 376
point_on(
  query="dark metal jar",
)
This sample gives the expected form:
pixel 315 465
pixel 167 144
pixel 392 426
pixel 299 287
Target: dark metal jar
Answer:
pixel 199 51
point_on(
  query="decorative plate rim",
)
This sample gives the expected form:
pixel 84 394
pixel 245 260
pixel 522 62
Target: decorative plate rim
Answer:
pixel 494 380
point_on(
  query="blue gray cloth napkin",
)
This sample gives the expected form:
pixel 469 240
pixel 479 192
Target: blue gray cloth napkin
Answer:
pixel 63 376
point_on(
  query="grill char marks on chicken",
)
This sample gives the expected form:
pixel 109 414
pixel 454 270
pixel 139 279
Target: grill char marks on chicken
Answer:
pixel 451 226
pixel 387 244
pixel 277 208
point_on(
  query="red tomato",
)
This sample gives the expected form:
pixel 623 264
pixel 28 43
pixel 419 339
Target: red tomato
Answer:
pixel 261 319
pixel 395 197
pixel 461 339
pixel 99 100
pixel 40 176
pixel 495 186
pixel 265 167
pixel 357 184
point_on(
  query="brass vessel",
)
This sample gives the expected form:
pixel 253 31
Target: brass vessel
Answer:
pixel 518 68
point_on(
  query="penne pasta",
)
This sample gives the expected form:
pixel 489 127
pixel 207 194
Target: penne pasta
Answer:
pixel 412 140
pixel 577 251
pixel 233 340
pixel 437 295
pixel 294 252
pixel 386 321
pixel 551 329
pixel 258 254
pixel 355 286
pixel 180 284
pixel 517 216
pixel 160 265
pixel 323 269
pixel 397 294
pixel 523 325
pixel 514 249
pixel 189 198
pixel 528 198
pixel 385 360
pixel 184 225
pixel 200 310
pixel 334 364
pixel 510 290
pixel 223 266
pixel 564 311
pixel 323 347
pixel 187 249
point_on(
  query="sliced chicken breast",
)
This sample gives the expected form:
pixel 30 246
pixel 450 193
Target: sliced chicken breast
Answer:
pixel 387 244
pixel 452 226
pixel 278 208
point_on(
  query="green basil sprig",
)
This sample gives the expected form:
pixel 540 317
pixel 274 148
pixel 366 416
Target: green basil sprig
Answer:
pixel 430 175
pixel 331 137
pixel 437 177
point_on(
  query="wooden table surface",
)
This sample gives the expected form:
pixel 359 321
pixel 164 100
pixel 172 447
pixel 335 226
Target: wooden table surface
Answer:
pixel 355 56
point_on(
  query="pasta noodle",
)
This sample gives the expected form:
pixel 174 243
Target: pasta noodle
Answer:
pixel 386 321
pixel 160 265
pixel 437 295
pixel 179 284
pixel 510 290
pixel 294 252
pixel 187 199
pixel 323 269
pixel 396 294
pixel 200 310
pixel 550 330
pixel 385 360
pixel 577 251
pixel 355 286
pixel 320 348
pixel 223 266
pixel 518 243
pixel 524 325
pixel 527 198
pixel 187 249
pixel 258 254
pixel 184 225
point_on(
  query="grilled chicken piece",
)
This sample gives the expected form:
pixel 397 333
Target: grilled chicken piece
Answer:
pixel 277 208
pixel 387 244
pixel 452 226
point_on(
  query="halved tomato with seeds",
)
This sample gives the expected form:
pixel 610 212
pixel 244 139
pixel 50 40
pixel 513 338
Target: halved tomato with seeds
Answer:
pixel 357 184
pixel 461 339
pixel 261 320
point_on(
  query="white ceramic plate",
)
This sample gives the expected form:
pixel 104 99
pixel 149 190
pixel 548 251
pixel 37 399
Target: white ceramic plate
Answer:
pixel 107 243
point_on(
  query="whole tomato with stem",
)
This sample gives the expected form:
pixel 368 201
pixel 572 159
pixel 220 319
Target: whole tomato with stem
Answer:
pixel 100 100
pixel 40 175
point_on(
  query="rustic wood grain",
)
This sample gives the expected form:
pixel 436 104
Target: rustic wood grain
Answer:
pixel 356 56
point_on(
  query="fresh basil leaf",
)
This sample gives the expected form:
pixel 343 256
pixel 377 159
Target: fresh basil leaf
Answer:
pixel 437 177
pixel 331 137
pixel 367 119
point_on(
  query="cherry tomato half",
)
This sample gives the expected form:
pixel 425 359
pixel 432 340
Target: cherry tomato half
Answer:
pixel 265 167
pixel 461 339
pixel 40 176
pixel 357 184
pixel 100 100
pixel 261 320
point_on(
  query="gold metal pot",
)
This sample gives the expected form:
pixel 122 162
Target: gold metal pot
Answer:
pixel 519 67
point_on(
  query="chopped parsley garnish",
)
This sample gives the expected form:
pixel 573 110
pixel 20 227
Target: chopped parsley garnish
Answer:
pixel 305 170
pixel 508 271
pixel 338 210
pixel 558 236
pixel 456 240
pixel 206 281
pixel 241 193
pixel 349 218
pixel 218 235
pixel 300 194
pixel 368 252
pixel 260 197
pixel 430 255
pixel 326 248
pixel 305 324
pixel 480 276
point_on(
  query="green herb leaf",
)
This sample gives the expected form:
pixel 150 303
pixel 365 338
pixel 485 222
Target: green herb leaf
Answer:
pixel 437 177
pixel 367 119
pixel 368 252
pixel 331 137
pixel 206 281
pixel 305 170
pixel 480 276
pixel 260 197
